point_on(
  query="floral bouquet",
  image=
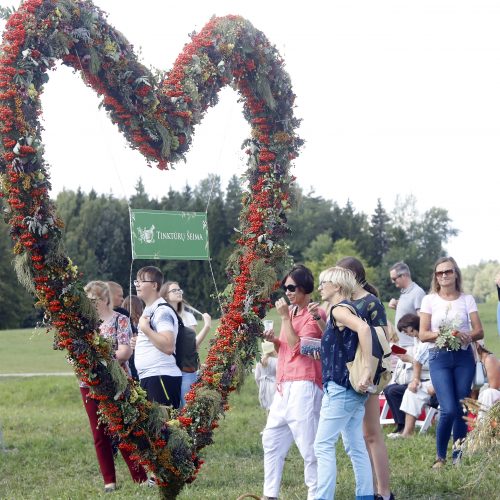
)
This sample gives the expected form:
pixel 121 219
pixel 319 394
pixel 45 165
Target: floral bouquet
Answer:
pixel 448 334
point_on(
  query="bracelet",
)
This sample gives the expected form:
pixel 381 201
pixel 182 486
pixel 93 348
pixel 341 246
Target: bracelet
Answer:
pixel 316 318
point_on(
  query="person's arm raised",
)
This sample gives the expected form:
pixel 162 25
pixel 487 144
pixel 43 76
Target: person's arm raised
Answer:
pixel 314 309
pixel 282 309
pixel 163 341
pixel 207 320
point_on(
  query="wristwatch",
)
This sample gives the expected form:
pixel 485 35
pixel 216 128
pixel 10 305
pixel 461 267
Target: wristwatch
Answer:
pixel 316 318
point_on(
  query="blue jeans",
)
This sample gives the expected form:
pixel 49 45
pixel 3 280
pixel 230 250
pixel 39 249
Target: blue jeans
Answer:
pixel 498 317
pixel 452 373
pixel 342 412
pixel 188 379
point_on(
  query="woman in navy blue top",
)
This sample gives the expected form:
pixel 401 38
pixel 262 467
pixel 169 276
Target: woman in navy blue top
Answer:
pixel 343 406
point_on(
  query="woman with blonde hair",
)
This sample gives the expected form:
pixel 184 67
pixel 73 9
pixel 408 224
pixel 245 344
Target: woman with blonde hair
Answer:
pixel 370 308
pixel 116 327
pixel 343 406
pixel 447 313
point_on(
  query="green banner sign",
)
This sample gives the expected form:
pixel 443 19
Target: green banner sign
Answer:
pixel 169 235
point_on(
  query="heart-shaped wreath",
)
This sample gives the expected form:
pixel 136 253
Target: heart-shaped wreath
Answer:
pixel 157 115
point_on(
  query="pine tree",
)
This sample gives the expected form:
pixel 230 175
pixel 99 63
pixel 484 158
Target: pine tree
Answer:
pixel 234 193
pixel 379 234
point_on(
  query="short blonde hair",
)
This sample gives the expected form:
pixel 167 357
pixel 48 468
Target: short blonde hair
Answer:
pixel 341 277
pixel 98 290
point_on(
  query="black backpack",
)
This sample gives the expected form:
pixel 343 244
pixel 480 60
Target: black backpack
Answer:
pixel 182 341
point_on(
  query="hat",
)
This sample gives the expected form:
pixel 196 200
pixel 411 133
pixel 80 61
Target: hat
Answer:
pixel 267 347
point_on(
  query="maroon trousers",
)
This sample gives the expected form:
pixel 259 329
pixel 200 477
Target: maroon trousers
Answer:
pixel 103 448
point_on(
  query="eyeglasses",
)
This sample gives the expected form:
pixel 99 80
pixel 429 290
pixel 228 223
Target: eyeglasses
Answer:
pixel 140 282
pixel 289 288
pixel 397 277
pixel 442 274
pixel 176 290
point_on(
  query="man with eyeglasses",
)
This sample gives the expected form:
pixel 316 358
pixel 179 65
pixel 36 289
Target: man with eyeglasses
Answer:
pixel 409 301
pixel 158 372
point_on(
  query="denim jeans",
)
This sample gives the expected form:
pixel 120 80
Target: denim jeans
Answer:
pixel 394 396
pixel 342 412
pixel 451 373
pixel 498 317
pixel 188 379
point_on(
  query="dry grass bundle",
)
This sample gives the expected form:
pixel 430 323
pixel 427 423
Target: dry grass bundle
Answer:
pixel 483 442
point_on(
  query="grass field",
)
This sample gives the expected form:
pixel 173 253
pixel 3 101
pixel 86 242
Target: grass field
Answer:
pixel 49 452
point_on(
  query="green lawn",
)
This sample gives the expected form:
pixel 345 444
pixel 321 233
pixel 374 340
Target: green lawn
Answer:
pixel 50 453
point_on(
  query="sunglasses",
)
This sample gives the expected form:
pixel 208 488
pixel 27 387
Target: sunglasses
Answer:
pixel 442 274
pixel 289 288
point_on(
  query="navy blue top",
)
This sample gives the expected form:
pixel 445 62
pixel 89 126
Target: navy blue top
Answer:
pixel 371 310
pixel 338 347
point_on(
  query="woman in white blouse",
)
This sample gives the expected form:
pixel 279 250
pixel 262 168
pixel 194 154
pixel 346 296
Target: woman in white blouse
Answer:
pixel 451 366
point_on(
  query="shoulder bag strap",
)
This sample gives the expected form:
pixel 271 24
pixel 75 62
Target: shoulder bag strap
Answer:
pixel 348 306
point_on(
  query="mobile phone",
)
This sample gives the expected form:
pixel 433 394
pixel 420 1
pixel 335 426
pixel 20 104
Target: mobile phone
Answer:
pixel 397 350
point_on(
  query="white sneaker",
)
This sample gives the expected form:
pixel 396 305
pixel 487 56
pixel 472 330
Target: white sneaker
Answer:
pixel 394 435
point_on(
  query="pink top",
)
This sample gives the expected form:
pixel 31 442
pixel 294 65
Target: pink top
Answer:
pixel 291 364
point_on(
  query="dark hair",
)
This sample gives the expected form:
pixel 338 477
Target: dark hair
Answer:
pixel 409 320
pixel 435 286
pixel 151 273
pixel 135 306
pixel 357 268
pixel 302 276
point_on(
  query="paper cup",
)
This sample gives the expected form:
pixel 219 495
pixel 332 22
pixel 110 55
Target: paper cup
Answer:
pixel 268 324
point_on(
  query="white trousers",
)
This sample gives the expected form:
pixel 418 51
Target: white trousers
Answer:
pixel 487 398
pixel 413 402
pixel 293 416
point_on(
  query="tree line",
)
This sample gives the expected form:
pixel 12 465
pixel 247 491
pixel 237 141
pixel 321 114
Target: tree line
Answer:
pixel 97 238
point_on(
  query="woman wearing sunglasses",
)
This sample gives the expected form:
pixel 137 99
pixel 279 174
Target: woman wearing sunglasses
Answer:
pixel 294 412
pixel 174 295
pixel 450 322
